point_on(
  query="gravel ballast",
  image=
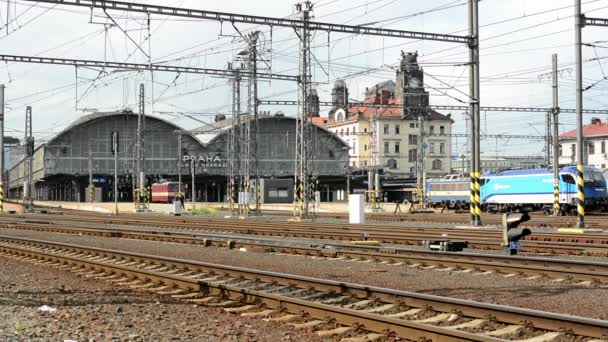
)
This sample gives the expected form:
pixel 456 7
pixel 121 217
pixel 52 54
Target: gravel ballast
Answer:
pixel 88 310
pixel 539 294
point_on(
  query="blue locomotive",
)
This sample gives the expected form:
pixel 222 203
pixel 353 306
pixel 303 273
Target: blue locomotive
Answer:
pixel 528 189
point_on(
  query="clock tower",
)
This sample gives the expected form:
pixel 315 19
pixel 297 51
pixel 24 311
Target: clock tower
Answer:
pixel 410 86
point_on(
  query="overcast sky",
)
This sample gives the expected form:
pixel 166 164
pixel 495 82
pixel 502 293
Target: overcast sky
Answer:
pixel 517 40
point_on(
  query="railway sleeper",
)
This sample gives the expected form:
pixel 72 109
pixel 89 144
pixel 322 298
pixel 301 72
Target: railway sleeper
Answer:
pixel 422 316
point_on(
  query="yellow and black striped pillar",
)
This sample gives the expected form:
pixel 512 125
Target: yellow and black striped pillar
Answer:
pixel 477 198
pixel 91 194
pixel 473 206
pixel 580 205
pixel 1 198
pixel 556 208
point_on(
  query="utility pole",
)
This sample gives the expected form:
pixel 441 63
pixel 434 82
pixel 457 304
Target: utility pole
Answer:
pixel 192 168
pixel 580 166
pixel 556 205
pixel 232 164
pixel 253 104
pixel 2 148
pixel 29 145
pixel 141 161
pixel 579 21
pixel 179 162
pixel 301 182
pixel 474 107
pixel 420 176
pixel 115 152
pixel 548 139
pixel 91 185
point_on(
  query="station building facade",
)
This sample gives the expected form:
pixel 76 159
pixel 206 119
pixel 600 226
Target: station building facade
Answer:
pixel 62 166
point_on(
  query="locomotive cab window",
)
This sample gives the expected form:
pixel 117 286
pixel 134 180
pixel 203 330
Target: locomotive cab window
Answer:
pixel 568 179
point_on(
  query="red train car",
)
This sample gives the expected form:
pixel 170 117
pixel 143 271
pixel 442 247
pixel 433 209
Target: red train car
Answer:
pixel 165 192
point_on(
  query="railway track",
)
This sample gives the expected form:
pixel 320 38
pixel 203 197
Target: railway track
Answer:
pixel 532 268
pixel 483 239
pixel 359 313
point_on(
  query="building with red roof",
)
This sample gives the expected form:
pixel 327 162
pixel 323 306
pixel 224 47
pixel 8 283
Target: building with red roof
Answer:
pixel 383 130
pixel 595 134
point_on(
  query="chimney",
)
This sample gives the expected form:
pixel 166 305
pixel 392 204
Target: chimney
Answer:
pixel 596 121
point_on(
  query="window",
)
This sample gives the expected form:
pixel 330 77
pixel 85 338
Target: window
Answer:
pixel 354 163
pixel 364 147
pixel 603 147
pixel 385 129
pixel 432 148
pixel 365 162
pixel 354 148
pixel 591 148
pixel 412 125
pixel 342 131
pixel 561 152
pixel 573 150
pixel 441 130
pixel 396 129
pixel 278 193
pixel 365 130
pixel 603 166
pixel 347 131
pixel 354 130
pixel 411 155
pixel 431 130
pixel 391 163
pixel 442 148
pixel 412 139
pixel 386 147
pixel 437 164
pixel 397 147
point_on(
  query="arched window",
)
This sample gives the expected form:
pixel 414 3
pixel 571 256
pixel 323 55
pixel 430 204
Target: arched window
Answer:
pixel 436 164
pixel 391 163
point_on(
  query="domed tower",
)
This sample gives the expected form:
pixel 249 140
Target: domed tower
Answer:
pixel 410 85
pixel 339 98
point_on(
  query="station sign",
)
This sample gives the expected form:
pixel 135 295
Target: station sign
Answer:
pixel 206 161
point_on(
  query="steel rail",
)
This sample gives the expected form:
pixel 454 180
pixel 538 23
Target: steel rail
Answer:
pixel 574 270
pixel 480 239
pixel 132 264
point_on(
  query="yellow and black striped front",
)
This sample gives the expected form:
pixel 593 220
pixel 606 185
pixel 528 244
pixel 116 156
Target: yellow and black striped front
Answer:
pixel 477 198
pixel 580 205
pixel 472 205
pixel 556 207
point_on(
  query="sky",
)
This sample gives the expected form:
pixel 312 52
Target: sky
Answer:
pixel 517 39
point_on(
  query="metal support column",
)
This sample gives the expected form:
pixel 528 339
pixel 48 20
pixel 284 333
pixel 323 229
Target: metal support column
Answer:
pixel 193 171
pixel 301 182
pixel 580 158
pixel 556 205
pixel 115 150
pixel 29 145
pixel 91 184
pixel 474 107
pixel 548 139
pixel 180 160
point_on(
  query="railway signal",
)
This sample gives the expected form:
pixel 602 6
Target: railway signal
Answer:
pixel 512 234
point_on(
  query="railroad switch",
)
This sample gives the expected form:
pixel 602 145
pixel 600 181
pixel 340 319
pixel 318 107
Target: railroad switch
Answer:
pixel 445 245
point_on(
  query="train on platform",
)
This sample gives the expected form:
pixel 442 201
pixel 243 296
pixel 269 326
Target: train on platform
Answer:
pixel 166 192
pixel 521 190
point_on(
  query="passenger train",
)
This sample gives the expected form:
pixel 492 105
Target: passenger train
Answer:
pixel 528 189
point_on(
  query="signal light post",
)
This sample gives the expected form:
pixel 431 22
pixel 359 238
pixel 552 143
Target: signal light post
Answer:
pixel 512 234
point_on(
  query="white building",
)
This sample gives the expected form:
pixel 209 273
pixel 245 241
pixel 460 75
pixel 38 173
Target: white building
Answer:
pixel 596 138
pixel 393 108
